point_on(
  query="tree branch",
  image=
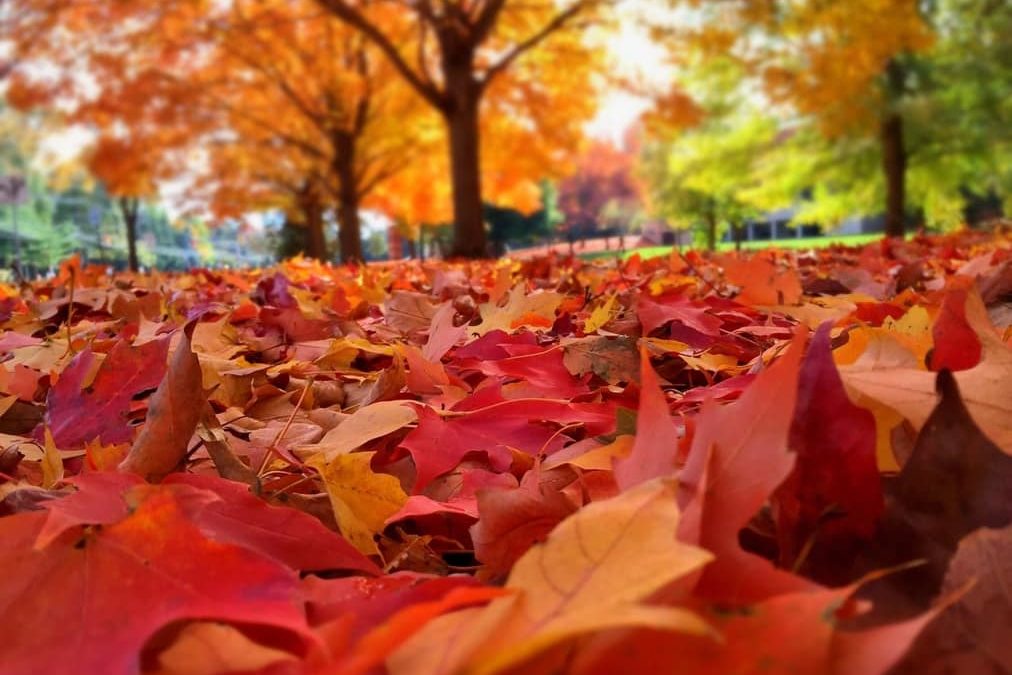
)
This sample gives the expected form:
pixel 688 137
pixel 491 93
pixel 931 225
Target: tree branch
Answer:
pixel 519 49
pixel 352 17
pixel 486 19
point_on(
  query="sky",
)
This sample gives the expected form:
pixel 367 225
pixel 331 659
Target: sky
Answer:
pixel 635 56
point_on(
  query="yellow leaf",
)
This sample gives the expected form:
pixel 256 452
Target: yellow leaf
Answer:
pixel 521 309
pixel 871 348
pixel 6 402
pixel 52 462
pixel 593 573
pixel 600 458
pixel 600 316
pixel 362 499
pixel 714 363
pixel 662 346
pixel 913 331
pixel 815 312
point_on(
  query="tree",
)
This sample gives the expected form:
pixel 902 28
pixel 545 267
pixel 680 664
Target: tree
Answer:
pixel 711 171
pixel 456 51
pixel 849 66
pixel 242 87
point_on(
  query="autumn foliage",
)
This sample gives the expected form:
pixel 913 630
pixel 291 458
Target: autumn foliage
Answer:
pixel 784 461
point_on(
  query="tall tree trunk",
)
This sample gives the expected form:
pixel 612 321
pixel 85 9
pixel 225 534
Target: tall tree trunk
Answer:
pixel 894 151
pixel 711 231
pixel 349 226
pixel 894 165
pixel 469 240
pixel 736 230
pixel 130 207
pixel 316 240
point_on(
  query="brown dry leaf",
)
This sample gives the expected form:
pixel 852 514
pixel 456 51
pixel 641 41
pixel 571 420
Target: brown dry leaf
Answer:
pixel 408 311
pixel 614 360
pixel 593 573
pixel 173 414
pixel 971 636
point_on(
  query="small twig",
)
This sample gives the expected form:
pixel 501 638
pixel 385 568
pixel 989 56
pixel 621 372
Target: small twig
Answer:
pixel 272 448
pixel 70 311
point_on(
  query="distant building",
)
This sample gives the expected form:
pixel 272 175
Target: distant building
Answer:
pixel 774 225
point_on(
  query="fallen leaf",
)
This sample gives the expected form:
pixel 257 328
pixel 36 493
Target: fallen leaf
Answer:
pixel 172 571
pixel 655 312
pixel 794 633
pixel 955 343
pixel 655 451
pixel 762 282
pixel 833 497
pixel 365 424
pixel 206 648
pixel 511 520
pixel 76 416
pixel 437 445
pixel 593 573
pixel 520 309
pixel 172 418
pixel 971 635
pixel 362 499
pixel 955 482
pixel 985 387
pixel 614 360
pixel 443 335
pixel 600 316
pixel 739 455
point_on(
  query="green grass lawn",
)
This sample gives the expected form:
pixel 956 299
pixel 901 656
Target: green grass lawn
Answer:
pixel 790 242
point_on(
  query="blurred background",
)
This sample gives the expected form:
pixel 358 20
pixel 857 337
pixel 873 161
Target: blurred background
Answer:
pixel 180 133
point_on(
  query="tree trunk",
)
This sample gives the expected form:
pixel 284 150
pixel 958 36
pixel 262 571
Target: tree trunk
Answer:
pixel 894 165
pixel 130 207
pixel 469 240
pixel 711 231
pixel 736 231
pixel 316 241
pixel 894 151
pixel 349 226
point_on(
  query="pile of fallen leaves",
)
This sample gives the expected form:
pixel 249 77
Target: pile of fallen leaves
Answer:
pixel 787 462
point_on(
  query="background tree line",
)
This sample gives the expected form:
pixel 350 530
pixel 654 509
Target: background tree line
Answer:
pixel 457 112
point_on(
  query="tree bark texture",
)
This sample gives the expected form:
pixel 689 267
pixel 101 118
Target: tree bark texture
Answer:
pixel 462 120
pixel 894 167
pixel 711 231
pixel 316 240
pixel 130 208
pixel 349 226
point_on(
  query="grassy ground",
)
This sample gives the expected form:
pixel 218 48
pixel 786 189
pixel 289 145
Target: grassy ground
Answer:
pixel 791 242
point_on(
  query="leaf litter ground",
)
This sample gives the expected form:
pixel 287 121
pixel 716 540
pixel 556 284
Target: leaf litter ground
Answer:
pixel 786 460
